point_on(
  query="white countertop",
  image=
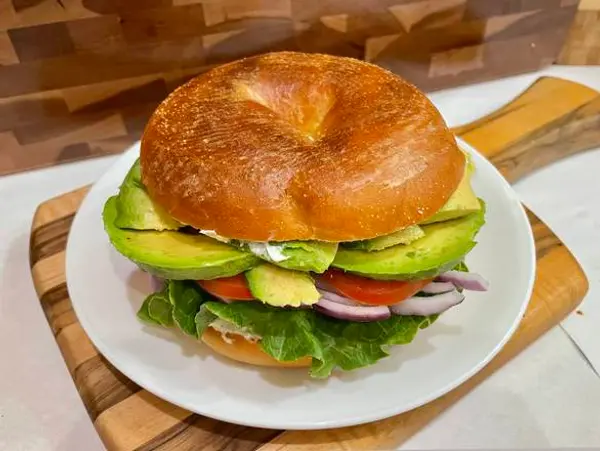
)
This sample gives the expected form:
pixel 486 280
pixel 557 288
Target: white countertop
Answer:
pixel 549 396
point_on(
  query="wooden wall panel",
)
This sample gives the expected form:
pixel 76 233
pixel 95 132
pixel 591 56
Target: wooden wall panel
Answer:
pixel 71 70
pixel 583 43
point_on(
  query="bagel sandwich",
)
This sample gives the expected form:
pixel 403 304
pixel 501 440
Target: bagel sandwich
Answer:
pixel 299 210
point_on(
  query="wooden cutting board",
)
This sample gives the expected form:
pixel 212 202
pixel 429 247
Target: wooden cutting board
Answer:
pixel 550 120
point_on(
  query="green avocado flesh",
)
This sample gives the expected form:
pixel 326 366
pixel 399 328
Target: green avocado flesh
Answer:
pixel 313 256
pixel 404 236
pixel 461 203
pixel 281 287
pixel 175 255
pixel 444 245
pixel 143 232
pixel 135 209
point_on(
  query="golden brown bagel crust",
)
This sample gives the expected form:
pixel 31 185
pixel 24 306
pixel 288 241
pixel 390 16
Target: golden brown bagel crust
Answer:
pixel 293 146
pixel 246 351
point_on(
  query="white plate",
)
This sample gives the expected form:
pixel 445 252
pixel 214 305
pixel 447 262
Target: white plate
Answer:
pixel 107 290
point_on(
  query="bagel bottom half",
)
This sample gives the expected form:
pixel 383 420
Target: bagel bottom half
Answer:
pixel 246 351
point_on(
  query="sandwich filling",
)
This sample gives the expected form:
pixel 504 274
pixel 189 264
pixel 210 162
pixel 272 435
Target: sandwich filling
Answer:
pixel 342 304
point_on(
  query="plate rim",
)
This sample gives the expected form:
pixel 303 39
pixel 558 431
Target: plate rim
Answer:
pixel 314 425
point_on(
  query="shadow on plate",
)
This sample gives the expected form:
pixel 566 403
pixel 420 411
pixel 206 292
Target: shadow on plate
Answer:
pixel 138 287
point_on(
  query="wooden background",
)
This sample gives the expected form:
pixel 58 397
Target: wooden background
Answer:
pixel 79 78
pixel 582 46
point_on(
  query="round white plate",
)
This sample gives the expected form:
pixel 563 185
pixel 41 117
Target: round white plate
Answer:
pixel 107 290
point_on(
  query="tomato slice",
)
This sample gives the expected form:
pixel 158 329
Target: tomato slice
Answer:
pixel 371 291
pixel 234 287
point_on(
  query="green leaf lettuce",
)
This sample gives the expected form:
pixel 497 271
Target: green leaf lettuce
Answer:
pixel 286 334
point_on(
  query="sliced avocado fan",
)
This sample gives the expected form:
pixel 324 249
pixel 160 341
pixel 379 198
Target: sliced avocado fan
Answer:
pixel 175 255
pixel 444 245
pixel 143 232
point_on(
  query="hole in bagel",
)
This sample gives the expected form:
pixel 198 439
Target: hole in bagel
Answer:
pixel 304 107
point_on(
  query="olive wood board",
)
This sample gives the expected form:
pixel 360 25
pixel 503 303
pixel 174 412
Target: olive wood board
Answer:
pixel 550 120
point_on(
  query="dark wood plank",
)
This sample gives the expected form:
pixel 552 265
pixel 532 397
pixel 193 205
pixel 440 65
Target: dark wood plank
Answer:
pixel 19 111
pixel 101 385
pixel 96 34
pixel 163 24
pixel 41 41
pixel 88 68
pixel 50 238
pixel 198 432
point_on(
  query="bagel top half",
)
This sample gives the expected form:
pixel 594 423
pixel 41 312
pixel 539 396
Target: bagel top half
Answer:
pixel 292 146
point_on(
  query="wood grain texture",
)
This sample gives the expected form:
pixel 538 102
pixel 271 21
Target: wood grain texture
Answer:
pixel 522 136
pixel 79 78
pixel 582 46
pixel 552 119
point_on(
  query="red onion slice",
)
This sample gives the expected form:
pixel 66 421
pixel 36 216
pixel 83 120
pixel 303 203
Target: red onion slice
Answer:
pixel 330 296
pixel 156 283
pixel 427 305
pixel 352 312
pixel 438 287
pixel 466 280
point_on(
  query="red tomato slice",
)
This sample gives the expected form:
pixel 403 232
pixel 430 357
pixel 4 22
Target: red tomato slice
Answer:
pixel 371 291
pixel 234 287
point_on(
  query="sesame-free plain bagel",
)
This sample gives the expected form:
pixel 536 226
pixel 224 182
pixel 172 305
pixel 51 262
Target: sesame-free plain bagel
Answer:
pixel 293 146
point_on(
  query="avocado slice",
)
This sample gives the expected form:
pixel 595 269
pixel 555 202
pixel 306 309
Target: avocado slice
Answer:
pixel 135 209
pixel 461 203
pixel 280 287
pixel 175 255
pixel 313 256
pixel 444 245
pixel 404 236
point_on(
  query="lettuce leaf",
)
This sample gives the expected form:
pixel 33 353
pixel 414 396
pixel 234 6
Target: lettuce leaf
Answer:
pixel 157 309
pixel 290 334
pixel 186 300
pixel 144 311
pixel 287 334
pixel 175 305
